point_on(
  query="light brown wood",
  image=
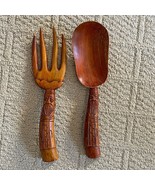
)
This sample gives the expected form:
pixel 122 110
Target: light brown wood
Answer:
pixel 47 141
pixel 45 78
pixel 90 44
pixel 50 80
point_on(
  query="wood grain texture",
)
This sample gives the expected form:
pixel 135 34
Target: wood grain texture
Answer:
pixel 90 47
pixel 91 133
pixel 46 130
pixel 126 115
pixel 90 43
pixel 48 79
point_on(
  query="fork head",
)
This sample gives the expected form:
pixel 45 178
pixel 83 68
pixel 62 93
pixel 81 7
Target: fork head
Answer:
pixel 45 78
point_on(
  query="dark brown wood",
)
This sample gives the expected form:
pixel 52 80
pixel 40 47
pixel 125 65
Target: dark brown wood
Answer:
pixel 90 47
pixel 47 141
pixel 90 44
pixel 91 135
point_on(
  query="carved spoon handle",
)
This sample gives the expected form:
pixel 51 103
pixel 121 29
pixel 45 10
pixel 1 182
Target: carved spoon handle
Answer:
pixel 91 136
pixel 46 129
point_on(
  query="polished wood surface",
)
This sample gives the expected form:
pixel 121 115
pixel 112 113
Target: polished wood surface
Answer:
pixel 90 44
pixel 46 130
pixel 91 132
pixel 90 47
pixel 50 80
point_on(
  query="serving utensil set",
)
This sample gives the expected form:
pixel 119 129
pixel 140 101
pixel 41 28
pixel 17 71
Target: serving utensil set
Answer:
pixel 90 45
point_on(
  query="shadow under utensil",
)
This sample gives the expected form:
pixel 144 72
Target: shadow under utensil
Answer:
pixel 78 118
pixel 77 96
pixel 32 98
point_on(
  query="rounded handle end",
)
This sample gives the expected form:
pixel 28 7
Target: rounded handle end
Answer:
pixel 49 155
pixel 93 152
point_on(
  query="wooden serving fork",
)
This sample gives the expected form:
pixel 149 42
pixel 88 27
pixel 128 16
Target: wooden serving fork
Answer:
pixel 49 80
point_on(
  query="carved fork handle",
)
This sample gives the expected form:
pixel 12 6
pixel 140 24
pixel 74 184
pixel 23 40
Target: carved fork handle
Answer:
pixel 91 135
pixel 46 130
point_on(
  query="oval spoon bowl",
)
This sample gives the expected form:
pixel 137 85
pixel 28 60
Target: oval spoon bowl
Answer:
pixel 90 47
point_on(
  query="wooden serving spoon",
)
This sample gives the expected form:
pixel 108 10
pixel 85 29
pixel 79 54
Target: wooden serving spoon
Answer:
pixel 90 44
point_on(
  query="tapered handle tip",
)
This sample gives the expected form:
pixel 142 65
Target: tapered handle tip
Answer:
pixel 49 155
pixel 93 152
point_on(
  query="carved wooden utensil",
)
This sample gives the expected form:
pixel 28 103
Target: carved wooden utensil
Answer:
pixel 90 44
pixel 50 80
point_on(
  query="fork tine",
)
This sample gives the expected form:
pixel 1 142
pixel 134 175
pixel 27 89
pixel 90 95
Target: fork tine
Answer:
pixel 63 57
pixel 43 51
pixel 34 56
pixel 55 51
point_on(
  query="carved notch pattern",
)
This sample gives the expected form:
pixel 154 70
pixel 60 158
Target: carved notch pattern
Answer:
pixel 47 121
pixel 93 139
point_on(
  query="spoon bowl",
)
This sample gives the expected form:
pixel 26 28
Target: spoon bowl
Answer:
pixel 90 44
pixel 90 47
